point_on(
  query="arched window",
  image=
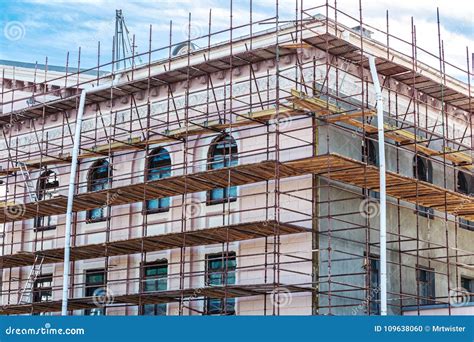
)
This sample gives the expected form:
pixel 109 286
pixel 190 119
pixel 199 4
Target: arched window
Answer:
pixel 222 153
pixel 423 171
pixel 45 189
pixel 465 185
pixel 369 152
pixel 158 166
pixel 99 178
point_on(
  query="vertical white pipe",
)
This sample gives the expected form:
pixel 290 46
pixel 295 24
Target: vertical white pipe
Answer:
pixel 383 191
pixel 72 185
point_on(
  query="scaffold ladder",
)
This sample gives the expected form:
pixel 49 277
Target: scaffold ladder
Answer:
pixel 27 291
pixel 30 189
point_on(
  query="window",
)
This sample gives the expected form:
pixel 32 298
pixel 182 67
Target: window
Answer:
pixel 465 185
pixel 158 166
pixel 468 285
pixel 222 153
pixel 45 189
pixel 99 178
pixel 426 279
pixel 155 278
pixel 370 156
pixel 95 286
pixel 220 270
pixel 370 152
pixel 43 289
pixel 374 295
pixel 423 171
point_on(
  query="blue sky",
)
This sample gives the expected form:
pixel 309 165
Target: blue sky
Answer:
pixel 34 29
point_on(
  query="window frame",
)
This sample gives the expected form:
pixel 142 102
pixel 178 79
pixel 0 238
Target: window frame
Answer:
pixel 427 178
pixel 41 192
pixel 96 286
pixel 143 266
pixel 106 185
pixel 468 190
pixel 470 288
pixel 374 307
pixel 146 210
pixel 37 291
pixel 224 303
pixel 431 286
pixel 233 160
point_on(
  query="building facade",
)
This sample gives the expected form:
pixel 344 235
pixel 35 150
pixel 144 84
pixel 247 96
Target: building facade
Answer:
pixel 242 179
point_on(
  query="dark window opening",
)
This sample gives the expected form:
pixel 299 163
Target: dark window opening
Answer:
pixel 43 290
pixel 371 157
pixel 423 171
pixel 370 152
pixel 222 153
pixel 99 178
pixel 46 189
pixel 465 185
pixel 468 285
pixel 155 278
pixel 158 166
pixel 220 271
pixel 426 285
pixel 95 286
pixel 374 285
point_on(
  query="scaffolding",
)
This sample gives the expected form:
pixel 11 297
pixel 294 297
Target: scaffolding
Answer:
pixel 298 101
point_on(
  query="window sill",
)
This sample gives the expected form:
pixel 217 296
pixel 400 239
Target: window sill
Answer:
pixel 45 228
pixel 90 221
pixel 155 211
pixel 220 201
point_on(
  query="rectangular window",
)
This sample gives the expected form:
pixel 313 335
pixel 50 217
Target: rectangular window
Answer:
pixel 425 211
pixel 426 279
pixel 44 223
pixel 43 288
pixel 220 270
pixel 374 295
pixel 155 278
pixel 468 285
pixel 466 224
pixel 95 285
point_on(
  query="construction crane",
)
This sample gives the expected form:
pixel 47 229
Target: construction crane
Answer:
pixel 123 46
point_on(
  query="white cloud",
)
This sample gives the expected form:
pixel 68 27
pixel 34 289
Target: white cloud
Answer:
pixel 64 26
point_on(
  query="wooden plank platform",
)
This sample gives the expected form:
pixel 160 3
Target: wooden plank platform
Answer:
pixel 333 166
pixel 346 44
pixel 201 237
pixel 350 171
pixel 156 297
pixel 165 187
pixel 399 135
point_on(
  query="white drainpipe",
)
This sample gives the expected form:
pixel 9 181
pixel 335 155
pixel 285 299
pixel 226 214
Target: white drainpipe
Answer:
pixel 72 186
pixel 383 190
